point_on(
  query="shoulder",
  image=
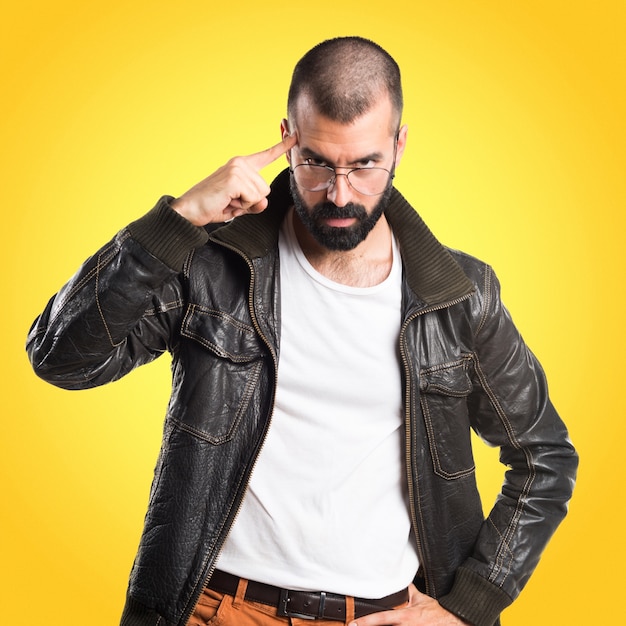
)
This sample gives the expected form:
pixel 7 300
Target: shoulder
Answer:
pixel 485 302
pixel 477 270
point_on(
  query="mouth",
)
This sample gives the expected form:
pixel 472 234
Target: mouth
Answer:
pixel 340 222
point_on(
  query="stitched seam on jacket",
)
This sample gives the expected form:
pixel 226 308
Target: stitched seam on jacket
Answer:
pixel 498 566
pixel 84 280
pixel 487 296
pixel 420 515
pixel 100 265
pixel 443 390
pixel 505 546
pixel 209 344
pixel 433 448
pixel 164 308
pixel 211 548
pixel 251 384
pixel 225 316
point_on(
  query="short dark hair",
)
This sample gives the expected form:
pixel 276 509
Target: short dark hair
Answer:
pixel 344 77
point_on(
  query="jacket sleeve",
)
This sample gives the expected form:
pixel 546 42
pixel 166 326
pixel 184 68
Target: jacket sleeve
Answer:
pixel 117 311
pixel 510 408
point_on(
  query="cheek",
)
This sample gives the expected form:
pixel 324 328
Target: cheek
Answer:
pixel 372 206
pixel 310 200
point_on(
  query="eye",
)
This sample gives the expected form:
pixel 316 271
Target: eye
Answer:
pixel 313 161
pixel 366 163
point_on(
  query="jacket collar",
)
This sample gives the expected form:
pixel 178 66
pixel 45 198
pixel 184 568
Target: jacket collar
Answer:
pixel 430 270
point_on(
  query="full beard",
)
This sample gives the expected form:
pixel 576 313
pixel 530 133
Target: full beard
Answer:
pixel 331 237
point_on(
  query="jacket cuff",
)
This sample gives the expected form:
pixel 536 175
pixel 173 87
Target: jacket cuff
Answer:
pixel 475 599
pixel 167 235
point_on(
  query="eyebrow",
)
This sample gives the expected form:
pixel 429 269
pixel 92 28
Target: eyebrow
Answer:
pixel 307 153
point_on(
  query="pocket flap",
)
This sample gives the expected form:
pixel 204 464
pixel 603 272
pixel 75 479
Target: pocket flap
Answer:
pixel 221 333
pixel 450 379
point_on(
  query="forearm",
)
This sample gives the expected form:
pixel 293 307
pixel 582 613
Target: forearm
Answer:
pixel 95 329
pixel 532 504
pixel 510 408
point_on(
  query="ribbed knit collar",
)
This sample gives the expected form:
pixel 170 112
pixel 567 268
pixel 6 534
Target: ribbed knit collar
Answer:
pixel 431 272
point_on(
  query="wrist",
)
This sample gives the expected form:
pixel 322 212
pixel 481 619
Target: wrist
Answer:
pixel 475 599
pixel 184 208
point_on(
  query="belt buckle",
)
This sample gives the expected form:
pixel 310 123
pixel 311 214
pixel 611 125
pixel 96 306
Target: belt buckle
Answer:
pixel 283 604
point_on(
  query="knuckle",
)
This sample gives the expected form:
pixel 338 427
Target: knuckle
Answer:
pixel 236 162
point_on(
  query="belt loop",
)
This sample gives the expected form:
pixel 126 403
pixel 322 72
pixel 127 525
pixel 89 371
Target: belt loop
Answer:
pixel 242 587
pixel 350 616
pixel 322 606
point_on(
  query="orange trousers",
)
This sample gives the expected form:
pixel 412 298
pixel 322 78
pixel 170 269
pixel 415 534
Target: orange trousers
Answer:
pixel 217 609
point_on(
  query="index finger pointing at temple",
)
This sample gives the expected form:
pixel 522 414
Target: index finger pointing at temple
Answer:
pixel 259 160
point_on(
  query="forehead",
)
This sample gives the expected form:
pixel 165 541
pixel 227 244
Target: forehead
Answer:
pixel 339 142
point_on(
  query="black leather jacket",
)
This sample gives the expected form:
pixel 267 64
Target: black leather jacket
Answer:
pixel 211 298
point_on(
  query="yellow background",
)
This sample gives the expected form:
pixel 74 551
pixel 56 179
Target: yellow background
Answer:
pixel 517 149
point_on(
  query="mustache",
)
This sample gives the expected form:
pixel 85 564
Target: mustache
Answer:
pixel 329 210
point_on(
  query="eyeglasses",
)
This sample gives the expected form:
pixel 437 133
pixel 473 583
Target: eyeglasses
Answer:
pixel 369 181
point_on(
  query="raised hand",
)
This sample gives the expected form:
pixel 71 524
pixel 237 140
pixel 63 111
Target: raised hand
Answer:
pixel 234 189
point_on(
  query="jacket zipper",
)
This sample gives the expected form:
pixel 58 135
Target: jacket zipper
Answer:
pixel 408 435
pixel 257 327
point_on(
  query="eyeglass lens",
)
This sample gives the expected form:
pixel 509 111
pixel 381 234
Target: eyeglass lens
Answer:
pixel 371 181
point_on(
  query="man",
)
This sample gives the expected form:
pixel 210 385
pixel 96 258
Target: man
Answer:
pixel 329 360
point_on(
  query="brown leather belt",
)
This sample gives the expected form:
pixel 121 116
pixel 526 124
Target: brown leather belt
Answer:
pixel 304 604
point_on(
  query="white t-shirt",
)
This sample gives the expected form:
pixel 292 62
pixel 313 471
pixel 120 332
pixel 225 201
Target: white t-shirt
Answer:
pixel 326 508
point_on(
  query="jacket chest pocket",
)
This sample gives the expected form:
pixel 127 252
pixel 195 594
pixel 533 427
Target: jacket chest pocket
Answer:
pixel 444 390
pixel 217 376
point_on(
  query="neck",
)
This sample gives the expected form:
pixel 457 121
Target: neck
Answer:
pixel 366 265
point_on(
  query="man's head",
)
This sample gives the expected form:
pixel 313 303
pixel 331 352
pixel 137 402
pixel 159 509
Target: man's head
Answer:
pixel 345 104
pixel 343 78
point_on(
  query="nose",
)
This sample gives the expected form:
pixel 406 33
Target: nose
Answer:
pixel 340 192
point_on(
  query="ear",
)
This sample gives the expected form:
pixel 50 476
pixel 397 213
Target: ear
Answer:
pixel 285 132
pixel 402 136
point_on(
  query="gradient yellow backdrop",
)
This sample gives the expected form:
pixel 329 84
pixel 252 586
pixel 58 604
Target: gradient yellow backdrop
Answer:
pixel 517 154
